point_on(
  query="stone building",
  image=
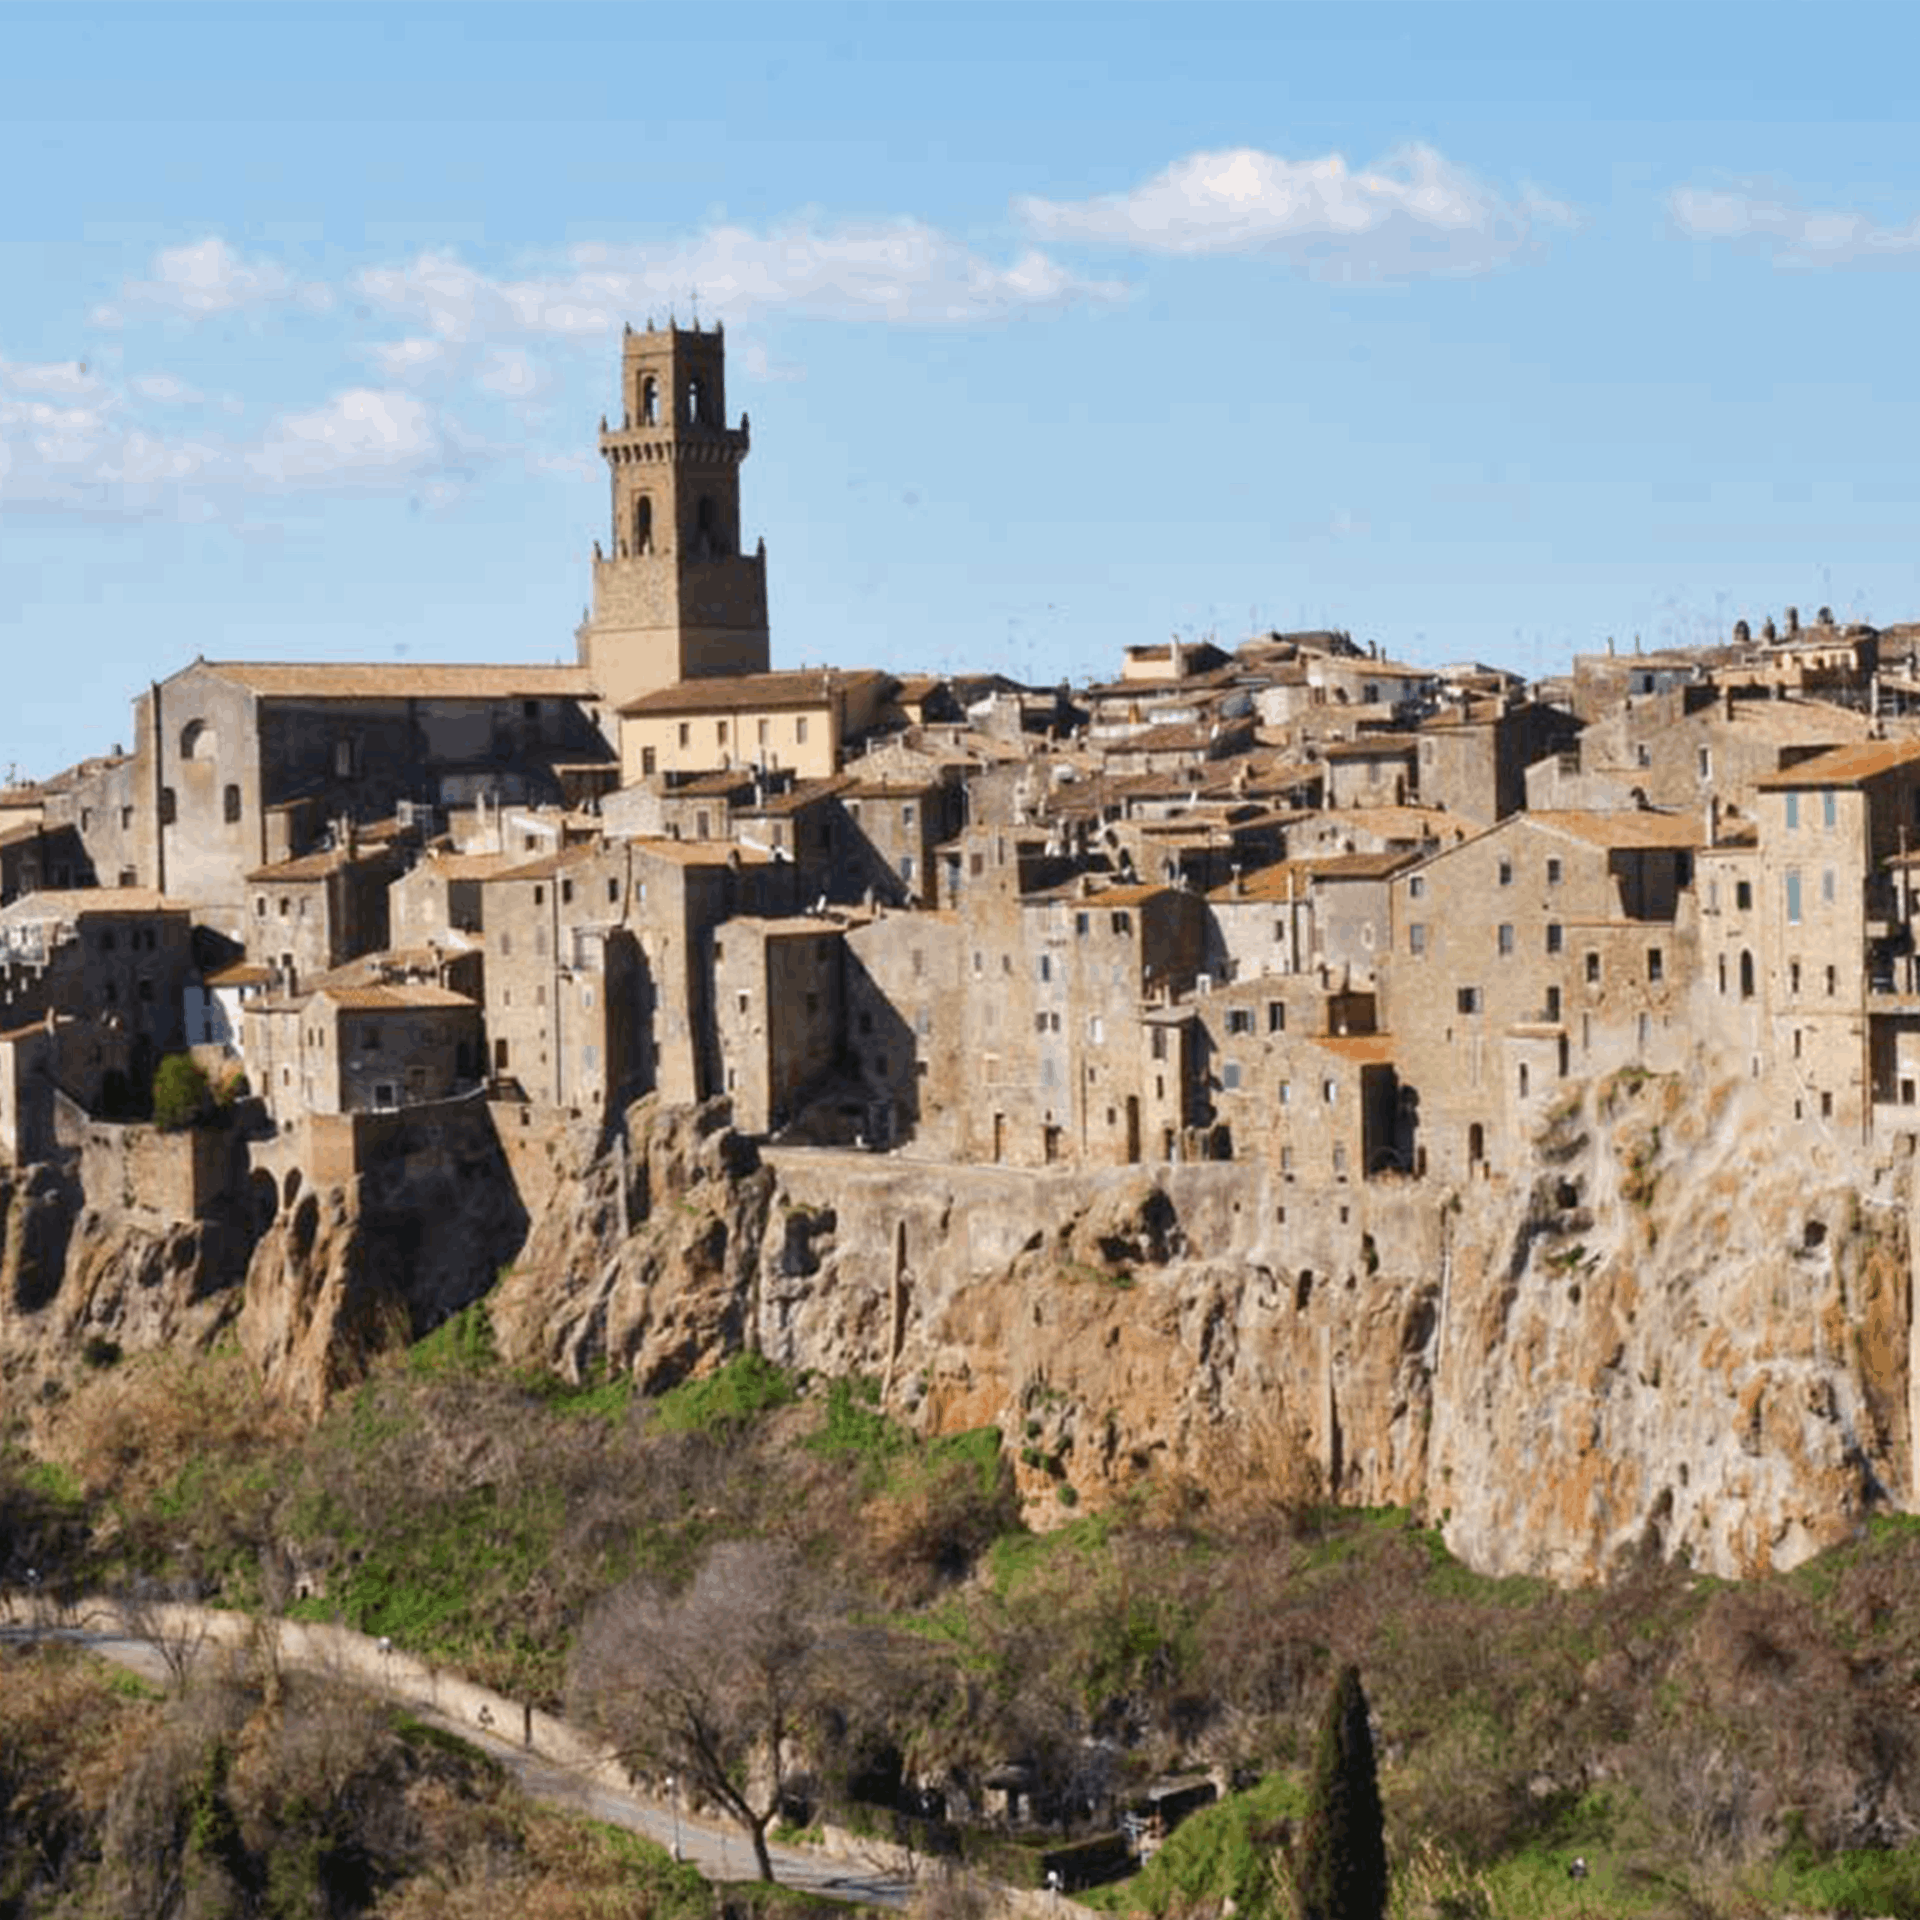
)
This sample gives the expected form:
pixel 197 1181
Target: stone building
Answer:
pixel 308 915
pixel 1692 746
pixel 363 1048
pixel 119 955
pixel 674 597
pixel 245 765
pixel 1543 950
pixel 800 721
pixel 779 1014
pixel 1474 757
pixel 1834 833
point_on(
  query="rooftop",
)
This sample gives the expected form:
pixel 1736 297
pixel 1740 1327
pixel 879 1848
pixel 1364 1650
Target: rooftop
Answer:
pixel 747 692
pixel 1845 766
pixel 402 680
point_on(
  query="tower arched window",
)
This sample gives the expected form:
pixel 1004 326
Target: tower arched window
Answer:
pixel 197 741
pixel 649 402
pixel 695 399
pixel 643 524
pixel 707 528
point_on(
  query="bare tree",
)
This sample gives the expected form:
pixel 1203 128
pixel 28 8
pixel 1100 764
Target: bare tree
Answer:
pixel 174 1631
pixel 714 1683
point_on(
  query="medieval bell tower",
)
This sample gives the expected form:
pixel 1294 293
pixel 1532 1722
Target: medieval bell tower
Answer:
pixel 675 598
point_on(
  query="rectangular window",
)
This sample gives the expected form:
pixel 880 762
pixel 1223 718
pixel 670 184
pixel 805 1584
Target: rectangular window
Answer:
pixel 1793 893
pixel 1121 922
pixel 1046 967
pixel 1656 965
pixel 1553 873
pixel 1793 811
pixel 1276 1016
pixel 1743 895
pixel 1467 1000
pixel 1554 933
pixel 649 761
pixel 1416 886
pixel 1504 938
pixel 1240 1020
pixel 763 731
pixel 800 730
pixel 1593 969
pixel 1416 938
pixel 1828 808
pixel 1833 982
pixel 1330 1091
pixel 1081 921
pixel 720 732
pixel 1705 758
pixel 1506 873
pixel 685 731
pixel 1826 885
pixel 1230 1074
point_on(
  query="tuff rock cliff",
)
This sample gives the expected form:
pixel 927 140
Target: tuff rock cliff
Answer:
pixel 1685 1331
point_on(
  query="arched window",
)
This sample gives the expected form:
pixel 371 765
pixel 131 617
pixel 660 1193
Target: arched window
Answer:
pixel 168 807
pixel 694 400
pixel 1476 1144
pixel 1746 976
pixel 197 741
pixel 643 524
pixel 231 803
pixel 649 402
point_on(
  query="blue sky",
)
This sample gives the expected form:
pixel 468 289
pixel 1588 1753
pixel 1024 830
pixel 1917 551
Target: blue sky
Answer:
pixel 1478 331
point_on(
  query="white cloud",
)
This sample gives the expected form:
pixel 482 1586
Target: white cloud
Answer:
pixel 513 375
pixel 1411 214
pixel 165 389
pixel 1791 235
pixel 209 277
pixel 67 378
pixel 898 270
pixel 408 359
pixel 359 435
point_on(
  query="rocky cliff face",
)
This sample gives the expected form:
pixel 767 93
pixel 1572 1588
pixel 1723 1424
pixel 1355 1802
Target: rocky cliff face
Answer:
pixel 1684 1331
pixel 1687 1331
pixel 79 1279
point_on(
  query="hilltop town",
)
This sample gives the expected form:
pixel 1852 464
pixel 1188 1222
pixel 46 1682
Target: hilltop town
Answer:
pixel 1295 903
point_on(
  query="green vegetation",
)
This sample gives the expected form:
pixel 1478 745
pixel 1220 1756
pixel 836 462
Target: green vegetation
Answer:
pixel 181 1095
pixel 1340 1871
pixel 1706 1748
pixel 731 1396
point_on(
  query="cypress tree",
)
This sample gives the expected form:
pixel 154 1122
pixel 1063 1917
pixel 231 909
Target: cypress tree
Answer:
pixel 1340 1872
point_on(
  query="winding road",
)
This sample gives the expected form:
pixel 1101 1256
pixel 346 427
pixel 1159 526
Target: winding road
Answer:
pixel 718 1852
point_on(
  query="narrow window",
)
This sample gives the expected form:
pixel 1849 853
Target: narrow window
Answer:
pixel 1504 937
pixel 1793 893
pixel 1828 808
pixel 1793 811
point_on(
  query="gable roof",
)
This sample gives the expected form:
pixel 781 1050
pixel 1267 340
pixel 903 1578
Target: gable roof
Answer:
pixel 401 680
pixel 1844 766
pixel 745 692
